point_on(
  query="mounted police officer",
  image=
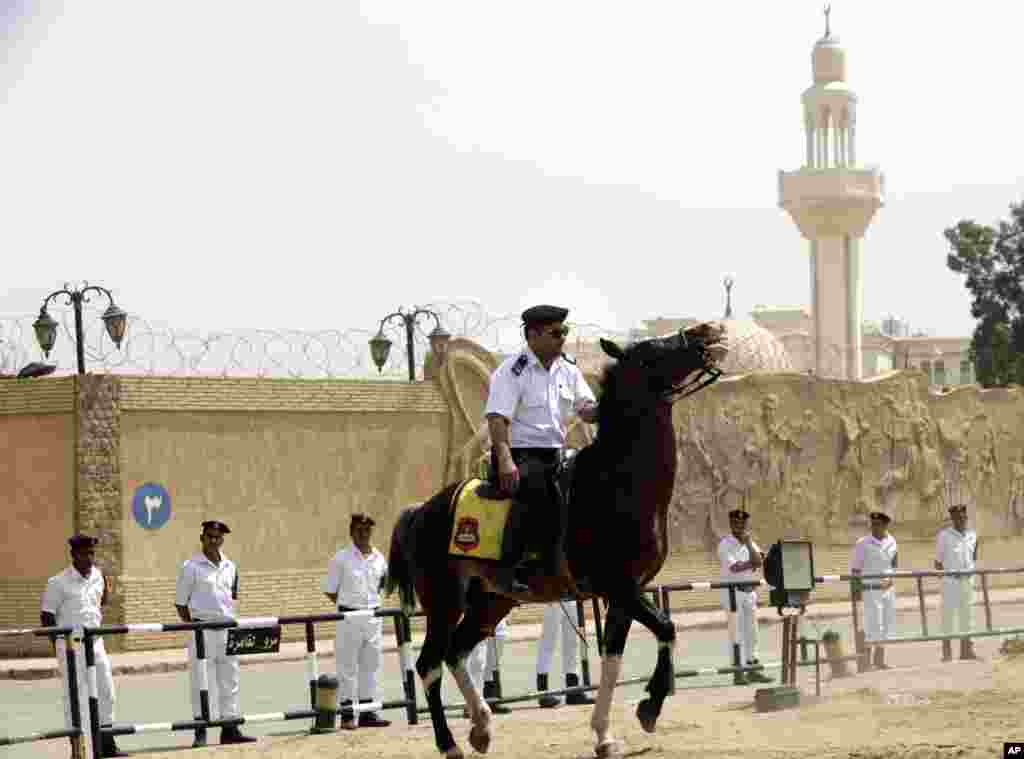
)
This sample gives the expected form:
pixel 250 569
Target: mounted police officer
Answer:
pixel 532 395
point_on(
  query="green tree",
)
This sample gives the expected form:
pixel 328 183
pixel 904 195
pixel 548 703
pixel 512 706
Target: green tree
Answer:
pixel 992 258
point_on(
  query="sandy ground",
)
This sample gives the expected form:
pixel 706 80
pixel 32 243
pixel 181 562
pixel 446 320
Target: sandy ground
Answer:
pixel 921 711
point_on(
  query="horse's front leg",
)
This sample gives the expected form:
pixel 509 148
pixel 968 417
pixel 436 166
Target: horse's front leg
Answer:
pixel 429 666
pixel 466 637
pixel 616 630
pixel 662 682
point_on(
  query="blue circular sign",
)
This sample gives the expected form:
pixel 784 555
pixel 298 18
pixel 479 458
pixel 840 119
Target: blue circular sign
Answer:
pixel 151 506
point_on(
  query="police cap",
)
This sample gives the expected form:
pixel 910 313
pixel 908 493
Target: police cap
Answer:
pixel 213 524
pixel 361 518
pixel 80 540
pixel 739 514
pixel 544 314
pixel 880 516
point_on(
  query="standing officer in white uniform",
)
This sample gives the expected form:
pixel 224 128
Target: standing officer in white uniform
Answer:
pixel 557 620
pixel 740 559
pixel 956 550
pixel 877 554
pixel 206 591
pixel 354 579
pixel 73 599
pixel 532 395
pixel 485 659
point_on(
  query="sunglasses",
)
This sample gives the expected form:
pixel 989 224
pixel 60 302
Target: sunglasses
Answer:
pixel 557 332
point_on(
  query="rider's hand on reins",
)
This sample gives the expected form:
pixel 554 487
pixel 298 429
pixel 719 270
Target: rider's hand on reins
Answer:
pixel 509 477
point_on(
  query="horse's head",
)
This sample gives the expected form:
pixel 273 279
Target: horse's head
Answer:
pixel 665 368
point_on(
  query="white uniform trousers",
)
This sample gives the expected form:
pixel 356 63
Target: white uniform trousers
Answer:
pixel 555 620
pixel 957 604
pixel 743 629
pixel 358 642
pixel 879 614
pixel 483 660
pixel 221 674
pixel 104 686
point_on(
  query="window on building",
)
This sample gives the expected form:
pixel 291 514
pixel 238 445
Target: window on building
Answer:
pixel 940 372
pixel 966 372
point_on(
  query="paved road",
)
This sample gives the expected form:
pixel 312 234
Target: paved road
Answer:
pixel 35 705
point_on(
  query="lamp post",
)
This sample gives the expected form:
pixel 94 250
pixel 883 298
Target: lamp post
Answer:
pixel 115 320
pixel 380 346
pixel 728 280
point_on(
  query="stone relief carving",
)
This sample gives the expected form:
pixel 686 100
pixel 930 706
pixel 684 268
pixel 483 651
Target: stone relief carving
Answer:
pixel 809 457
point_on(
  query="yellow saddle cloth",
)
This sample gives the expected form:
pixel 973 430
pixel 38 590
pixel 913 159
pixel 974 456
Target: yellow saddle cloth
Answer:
pixel 479 523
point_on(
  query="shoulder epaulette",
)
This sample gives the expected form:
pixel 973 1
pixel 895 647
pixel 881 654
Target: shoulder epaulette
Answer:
pixel 569 358
pixel 520 364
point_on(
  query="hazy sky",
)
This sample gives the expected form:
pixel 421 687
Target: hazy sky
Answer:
pixel 314 165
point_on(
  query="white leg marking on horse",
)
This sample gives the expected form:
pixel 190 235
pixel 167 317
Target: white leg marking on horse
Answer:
pixel 610 668
pixel 479 711
pixel 431 677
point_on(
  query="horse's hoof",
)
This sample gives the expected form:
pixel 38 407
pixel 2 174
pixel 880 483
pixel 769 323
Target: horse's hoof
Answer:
pixel 610 749
pixel 648 714
pixel 480 739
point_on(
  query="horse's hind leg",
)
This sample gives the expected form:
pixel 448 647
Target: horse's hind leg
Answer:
pixel 663 679
pixel 616 630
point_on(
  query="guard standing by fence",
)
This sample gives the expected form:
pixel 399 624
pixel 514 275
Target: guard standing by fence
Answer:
pixel 74 599
pixel 354 579
pixel 876 554
pixel 956 550
pixel 206 591
pixel 740 558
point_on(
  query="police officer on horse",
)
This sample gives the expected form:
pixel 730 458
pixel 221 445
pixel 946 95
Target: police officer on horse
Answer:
pixel 532 395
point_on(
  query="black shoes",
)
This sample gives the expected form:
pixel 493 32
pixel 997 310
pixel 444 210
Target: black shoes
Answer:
pixel 231 734
pixel 491 690
pixel 576 699
pixel 546 701
pixel 371 719
pixel 109 747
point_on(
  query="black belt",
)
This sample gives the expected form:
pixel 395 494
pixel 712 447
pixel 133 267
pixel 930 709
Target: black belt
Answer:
pixel 872 587
pixel 344 609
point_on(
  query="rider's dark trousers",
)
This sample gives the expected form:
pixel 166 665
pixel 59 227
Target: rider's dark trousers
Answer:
pixel 536 489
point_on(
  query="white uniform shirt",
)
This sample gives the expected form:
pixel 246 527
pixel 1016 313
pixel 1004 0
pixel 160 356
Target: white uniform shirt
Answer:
pixel 537 401
pixel 207 589
pixel 873 557
pixel 955 549
pixel 731 551
pixel 356 578
pixel 74 599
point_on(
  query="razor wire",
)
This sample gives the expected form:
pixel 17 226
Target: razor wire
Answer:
pixel 157 350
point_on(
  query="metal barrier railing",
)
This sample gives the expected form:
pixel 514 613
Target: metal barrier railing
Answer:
pixel 74 732
pixel 403 636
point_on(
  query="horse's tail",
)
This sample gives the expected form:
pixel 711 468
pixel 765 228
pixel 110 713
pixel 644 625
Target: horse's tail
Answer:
pixel 401 570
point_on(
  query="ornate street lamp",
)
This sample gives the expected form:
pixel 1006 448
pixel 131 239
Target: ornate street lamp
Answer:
pixel 380 345
pixel 114 319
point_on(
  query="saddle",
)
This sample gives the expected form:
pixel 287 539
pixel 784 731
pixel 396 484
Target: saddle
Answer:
pixel 491 526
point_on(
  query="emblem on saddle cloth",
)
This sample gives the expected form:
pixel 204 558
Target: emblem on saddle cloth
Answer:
pixel 479 523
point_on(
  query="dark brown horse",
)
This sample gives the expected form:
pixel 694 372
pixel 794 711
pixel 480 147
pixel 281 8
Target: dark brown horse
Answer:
pixel 616 542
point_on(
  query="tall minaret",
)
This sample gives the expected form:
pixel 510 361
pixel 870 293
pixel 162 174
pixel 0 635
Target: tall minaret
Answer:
pixel 832 202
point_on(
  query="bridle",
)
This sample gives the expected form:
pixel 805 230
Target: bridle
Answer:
pixel 707 376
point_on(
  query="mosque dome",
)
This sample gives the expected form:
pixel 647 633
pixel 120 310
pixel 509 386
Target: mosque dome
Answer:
pixel 752 348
